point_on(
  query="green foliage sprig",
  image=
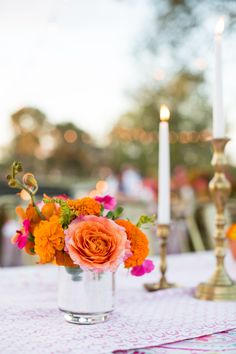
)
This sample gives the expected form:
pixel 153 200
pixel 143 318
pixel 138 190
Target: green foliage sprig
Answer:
pixel 145 219
pixel 66 213
pixel 115 214
pixel 27 183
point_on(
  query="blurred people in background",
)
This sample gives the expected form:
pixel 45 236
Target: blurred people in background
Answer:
pixel 112 184
pixel 132 185
pixel 9 254
pixel 131 182
pixel 128 184
pixel 112 180
pixel 183 192
pixel 2 222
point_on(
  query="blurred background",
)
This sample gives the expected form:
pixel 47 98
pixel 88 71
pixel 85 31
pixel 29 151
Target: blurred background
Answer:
pixel 80 91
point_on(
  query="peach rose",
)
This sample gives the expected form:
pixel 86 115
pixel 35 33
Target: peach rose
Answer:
pixel 97 243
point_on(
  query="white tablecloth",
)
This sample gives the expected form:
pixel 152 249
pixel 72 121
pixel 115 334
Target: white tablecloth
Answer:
pixel 31 323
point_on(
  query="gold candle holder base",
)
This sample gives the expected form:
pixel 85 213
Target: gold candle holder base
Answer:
pixel 161 285
pixel 220 286
pixel 162 233
pixel 213 292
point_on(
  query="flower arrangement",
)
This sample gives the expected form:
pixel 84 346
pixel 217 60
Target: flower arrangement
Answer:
pixel 231 235
pixel 88 233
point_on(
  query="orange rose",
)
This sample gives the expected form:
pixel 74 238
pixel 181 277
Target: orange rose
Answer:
pixel 97 243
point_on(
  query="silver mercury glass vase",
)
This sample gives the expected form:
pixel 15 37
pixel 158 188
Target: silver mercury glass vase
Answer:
pixel 85 297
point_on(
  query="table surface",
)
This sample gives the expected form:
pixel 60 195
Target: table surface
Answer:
pixel 28 294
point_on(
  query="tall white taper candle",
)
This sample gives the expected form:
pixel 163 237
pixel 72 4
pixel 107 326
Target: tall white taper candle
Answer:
pixel 164 168
pixel 218 110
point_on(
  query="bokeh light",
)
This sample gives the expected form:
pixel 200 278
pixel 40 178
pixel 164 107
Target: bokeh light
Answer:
pixel 70 136
pixel 101 187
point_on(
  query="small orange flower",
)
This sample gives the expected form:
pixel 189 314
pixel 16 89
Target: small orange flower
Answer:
pixel 20 212
pixel 63 259
pixel 29 248
pixel 85 206
pixel 139 244
pixel 49 238
pixel 50 209
pixel 32 215
pixel 231 232
pixel 14 238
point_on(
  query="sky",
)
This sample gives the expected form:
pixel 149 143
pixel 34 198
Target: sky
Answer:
pixel 73 59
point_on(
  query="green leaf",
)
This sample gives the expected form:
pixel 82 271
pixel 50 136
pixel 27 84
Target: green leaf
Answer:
pixel 115 214
pixel 67 214
pixel 102 210
pixel 145 219
pixel 110 215
pixel 119 210
pixel 16 168
pixel 31 237
pixel 55 200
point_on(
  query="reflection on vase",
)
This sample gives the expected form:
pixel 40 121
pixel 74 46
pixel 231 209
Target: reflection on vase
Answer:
pixel 232 245
pixel 85 297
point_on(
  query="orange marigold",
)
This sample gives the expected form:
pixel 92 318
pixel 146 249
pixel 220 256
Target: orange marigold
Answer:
pixel 49 238
pixel 231 232
pixel 63 259
pixel 139 244
pixel 85 206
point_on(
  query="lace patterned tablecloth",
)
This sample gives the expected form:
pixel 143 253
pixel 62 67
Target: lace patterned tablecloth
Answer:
pixel 31 323
pixel 219 343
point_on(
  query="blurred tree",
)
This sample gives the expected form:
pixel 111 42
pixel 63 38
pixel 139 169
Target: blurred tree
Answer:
pixel 182 30
pixel 28 119
pixel 44 148
pixel 177 38
pixel 134 138
pixel 29 125
pixel 74 153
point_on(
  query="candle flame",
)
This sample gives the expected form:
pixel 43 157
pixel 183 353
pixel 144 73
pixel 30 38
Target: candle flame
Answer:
pixel 164 113
pixel 220 26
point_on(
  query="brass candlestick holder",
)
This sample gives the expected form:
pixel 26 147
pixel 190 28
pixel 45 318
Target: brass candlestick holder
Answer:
pixel 220 286
pixel 163 233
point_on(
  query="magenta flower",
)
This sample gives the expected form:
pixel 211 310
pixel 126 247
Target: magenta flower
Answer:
pixel 22 238
pixel 107 201
pixel 26 225
pixel 146 267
